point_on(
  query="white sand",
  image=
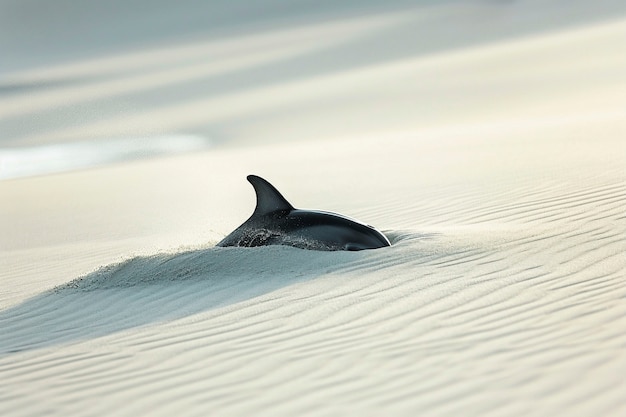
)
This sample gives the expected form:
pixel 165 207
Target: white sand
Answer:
pixel 496 167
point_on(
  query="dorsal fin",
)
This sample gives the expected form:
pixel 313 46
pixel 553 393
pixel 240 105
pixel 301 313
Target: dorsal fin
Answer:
pixel 268 199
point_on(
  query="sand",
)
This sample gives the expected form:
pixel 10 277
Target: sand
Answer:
pixel 495 163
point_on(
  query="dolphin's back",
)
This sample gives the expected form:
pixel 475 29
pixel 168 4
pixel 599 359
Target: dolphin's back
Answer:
pixel 330 231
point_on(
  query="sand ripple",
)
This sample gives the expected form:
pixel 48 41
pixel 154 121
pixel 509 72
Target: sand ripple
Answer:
pixel 536 301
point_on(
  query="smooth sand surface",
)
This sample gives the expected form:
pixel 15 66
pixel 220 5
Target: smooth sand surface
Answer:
pixel 496 166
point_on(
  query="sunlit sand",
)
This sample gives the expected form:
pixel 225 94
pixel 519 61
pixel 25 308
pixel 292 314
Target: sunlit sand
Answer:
pixel 494 164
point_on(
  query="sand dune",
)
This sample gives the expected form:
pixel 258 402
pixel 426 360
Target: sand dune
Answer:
pixel 361 74
pixel 493 158
pixel 499 296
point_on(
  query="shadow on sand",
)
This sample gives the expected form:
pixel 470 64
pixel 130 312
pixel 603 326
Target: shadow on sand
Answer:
pixel 143 291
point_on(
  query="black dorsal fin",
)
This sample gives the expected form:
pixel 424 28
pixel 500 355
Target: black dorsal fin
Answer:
pixel 268 199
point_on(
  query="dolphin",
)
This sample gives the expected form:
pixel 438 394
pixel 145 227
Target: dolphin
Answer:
pixel 276 222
